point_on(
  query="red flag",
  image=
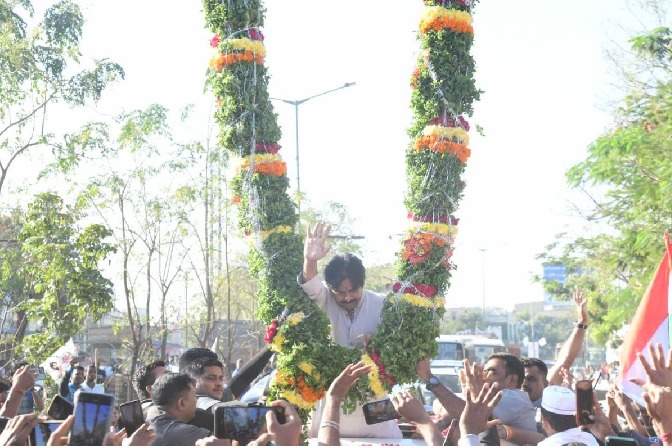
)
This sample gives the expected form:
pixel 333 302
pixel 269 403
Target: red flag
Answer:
pixel 651 324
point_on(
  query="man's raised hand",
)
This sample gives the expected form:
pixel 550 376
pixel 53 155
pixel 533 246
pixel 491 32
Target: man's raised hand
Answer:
pixel 658 371
pixel 315 247
pixel 479 406
pixel 581 304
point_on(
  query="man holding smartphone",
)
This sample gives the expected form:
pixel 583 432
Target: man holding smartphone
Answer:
pixel 558 419
pixel 32 399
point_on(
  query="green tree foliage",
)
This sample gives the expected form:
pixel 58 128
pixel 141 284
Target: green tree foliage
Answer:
pixel 39 67
pixel 62 283
pixel 627 176
pixel 146 221
pixel 553 329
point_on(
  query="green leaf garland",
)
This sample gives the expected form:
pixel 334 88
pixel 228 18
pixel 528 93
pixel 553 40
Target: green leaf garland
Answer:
pixel 308 360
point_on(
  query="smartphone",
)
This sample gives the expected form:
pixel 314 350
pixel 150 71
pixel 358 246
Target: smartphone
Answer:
pixel 584 402
pixel 59 408
pixel 131 416
pixel 379 411
pixel 619 441
pixel 93 415
pixel 40 434
pixel 3 423
pixel 243 423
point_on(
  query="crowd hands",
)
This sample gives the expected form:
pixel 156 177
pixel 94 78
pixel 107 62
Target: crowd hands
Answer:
pixel 506 401
pixel 172 407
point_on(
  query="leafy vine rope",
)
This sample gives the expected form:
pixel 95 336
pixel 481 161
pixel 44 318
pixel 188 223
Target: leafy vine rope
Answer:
pixel 443 91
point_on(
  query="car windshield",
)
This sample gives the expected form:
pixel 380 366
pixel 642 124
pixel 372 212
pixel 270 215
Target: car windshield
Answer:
pixel 451 381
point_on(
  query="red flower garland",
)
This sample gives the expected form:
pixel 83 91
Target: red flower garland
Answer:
pixel 449 122
pixel 425 290
pixel 267 148
pixel 271 331
pixel 385 378
pixel 255 34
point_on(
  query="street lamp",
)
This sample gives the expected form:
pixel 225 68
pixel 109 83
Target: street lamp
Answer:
pixel 296 104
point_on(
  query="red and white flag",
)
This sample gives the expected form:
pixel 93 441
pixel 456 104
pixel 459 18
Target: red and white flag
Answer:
pixel 651 324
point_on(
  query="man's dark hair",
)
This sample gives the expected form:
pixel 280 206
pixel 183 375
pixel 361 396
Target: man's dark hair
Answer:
pixel 144 377
pixel 192 354
pixel 559 422
pixel 170 387
pixel 344 266
pixel 513 366
pixel 196 368
pixel 78 367
pixel 538 363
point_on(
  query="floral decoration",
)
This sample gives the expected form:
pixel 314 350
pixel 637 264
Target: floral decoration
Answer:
pixel 443 92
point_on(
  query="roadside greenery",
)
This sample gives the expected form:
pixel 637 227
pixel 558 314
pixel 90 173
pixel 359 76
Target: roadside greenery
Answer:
pixel 626 176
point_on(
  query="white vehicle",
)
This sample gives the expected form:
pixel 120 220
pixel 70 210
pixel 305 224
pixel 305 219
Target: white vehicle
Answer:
pixel 454 348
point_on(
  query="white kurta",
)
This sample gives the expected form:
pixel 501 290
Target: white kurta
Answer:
pixel 344 331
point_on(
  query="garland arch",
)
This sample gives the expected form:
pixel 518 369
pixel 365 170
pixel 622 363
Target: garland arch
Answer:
pixel 443 91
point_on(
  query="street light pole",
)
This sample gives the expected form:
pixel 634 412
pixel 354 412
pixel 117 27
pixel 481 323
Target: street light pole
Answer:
pixel 483 281
pixel 296 104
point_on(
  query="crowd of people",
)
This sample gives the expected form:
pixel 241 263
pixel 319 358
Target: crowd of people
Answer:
pixel 505 401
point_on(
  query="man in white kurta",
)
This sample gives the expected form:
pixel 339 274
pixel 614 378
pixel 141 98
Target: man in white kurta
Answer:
pixel 352 311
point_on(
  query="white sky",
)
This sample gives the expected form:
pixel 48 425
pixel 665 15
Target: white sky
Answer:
pixel 540 64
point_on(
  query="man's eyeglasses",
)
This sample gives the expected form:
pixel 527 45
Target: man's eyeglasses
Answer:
pixel 344 294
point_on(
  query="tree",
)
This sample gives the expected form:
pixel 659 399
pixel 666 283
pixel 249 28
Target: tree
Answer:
pixel 37 70
pixel 59 269
pixel 626 177
pixel 145 220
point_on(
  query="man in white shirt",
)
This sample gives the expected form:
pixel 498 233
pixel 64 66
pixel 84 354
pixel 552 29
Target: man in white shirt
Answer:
pixel 558 419
pixel 353 312
pixel 90 384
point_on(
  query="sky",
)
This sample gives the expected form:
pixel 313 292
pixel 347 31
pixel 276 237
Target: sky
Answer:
pixel 547 93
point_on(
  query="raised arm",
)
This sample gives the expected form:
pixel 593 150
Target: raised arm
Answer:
pixel 330 429
pixel 451 402
pixel 64 389
pixel 412 409
pixel 314 248
pixel 571 348
pixel 22 381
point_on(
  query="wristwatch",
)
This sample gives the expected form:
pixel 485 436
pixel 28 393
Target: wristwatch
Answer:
pixel 432 382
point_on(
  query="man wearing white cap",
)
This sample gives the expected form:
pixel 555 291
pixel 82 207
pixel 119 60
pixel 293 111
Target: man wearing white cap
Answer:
pixel 558 419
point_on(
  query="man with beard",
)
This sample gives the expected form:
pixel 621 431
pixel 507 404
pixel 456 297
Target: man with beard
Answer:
pixel 354 314
pixel 514 410
pixel 210 381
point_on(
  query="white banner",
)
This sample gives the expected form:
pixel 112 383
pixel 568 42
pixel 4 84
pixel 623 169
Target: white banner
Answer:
pixel 56 365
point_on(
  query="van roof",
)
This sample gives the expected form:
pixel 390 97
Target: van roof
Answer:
pixel 469 338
